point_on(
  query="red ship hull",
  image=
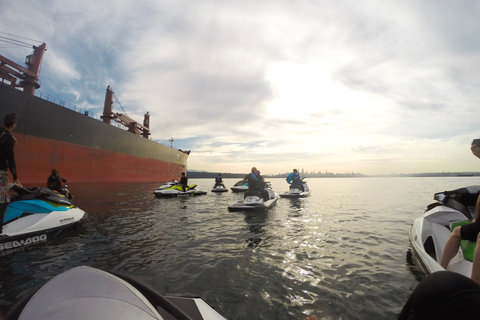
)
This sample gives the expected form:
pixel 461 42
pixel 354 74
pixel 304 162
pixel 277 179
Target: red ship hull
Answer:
pixel 83 164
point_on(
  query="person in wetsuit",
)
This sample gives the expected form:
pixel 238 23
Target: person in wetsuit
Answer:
pixel 184 182
pixel 54 181
pixel 7 162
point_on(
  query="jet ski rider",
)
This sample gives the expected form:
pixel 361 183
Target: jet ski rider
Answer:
pixel 184 182
pixel 54 181
pixel 294 179
pixel 7 161
pixel 256 182
pixel 219 181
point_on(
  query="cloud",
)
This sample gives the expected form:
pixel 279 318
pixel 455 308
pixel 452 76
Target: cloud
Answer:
pixel 367 86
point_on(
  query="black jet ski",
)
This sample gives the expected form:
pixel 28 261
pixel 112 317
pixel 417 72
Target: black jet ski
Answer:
pixel 36 215
pixel 88 293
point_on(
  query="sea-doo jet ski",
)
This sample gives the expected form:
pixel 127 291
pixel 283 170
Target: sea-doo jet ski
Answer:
pixel 240 186
pixel 429 233
pixel 89 293
pixel 219 188
pixel 296 191
pixel 36 215
pixel 176 190
pixel 256 200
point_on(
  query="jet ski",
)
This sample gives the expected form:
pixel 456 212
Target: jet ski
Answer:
pixel 240 186
pixel 88 293
pixel 173 189
pixel 255 200
pixel 219 188
pixel 36 215
pixel 296 191
pixel 429 233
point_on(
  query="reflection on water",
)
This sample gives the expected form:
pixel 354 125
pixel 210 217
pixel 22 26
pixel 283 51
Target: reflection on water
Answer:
pixel 256 222
pixel 296 205
pixel 341 253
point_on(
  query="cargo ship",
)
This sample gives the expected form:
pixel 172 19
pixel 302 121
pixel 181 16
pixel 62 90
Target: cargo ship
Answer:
pixel 81 147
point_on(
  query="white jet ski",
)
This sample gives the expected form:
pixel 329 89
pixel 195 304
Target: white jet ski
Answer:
pixel 173 189
pixel 256 200
pixel 219 188
pixel 240 186
pixel 89 293
pixel 429 233
pixel 296 191
pixel 36 215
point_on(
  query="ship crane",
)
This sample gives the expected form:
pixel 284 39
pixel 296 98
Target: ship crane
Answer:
pixel 123 119
pixel 11 71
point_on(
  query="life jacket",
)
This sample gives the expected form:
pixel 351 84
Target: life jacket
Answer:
pixel 296 179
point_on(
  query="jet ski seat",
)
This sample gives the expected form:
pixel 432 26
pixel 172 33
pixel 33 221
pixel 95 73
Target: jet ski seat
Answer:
pixel 468 247
pixel 37 193
pixel 252 193
pixel 20 190
pixel 261 194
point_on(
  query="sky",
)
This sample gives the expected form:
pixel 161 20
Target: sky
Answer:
pixel 371 87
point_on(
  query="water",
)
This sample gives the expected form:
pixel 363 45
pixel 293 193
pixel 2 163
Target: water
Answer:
pixel 342 253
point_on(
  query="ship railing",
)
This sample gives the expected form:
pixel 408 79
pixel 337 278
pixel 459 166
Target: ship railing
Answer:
pixel 62 103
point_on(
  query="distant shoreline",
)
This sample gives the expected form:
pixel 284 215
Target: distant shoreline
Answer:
pixel 211 175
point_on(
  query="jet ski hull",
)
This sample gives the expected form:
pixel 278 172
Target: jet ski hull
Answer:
pixel 175 190
pixel 242 206
pixel 296 192
pixel 239 189
pixel 97 294
pixel 294 195
pixel 219 189
pixel 171 194
pixel 430 232
pixel 240 186
pixel 254 201
pixel 35 216
pixel 44 231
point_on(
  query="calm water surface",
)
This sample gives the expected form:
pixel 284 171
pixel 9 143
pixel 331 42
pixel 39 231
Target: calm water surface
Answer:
pixel 342 253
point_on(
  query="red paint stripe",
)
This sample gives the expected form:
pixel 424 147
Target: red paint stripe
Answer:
pixel 36 157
